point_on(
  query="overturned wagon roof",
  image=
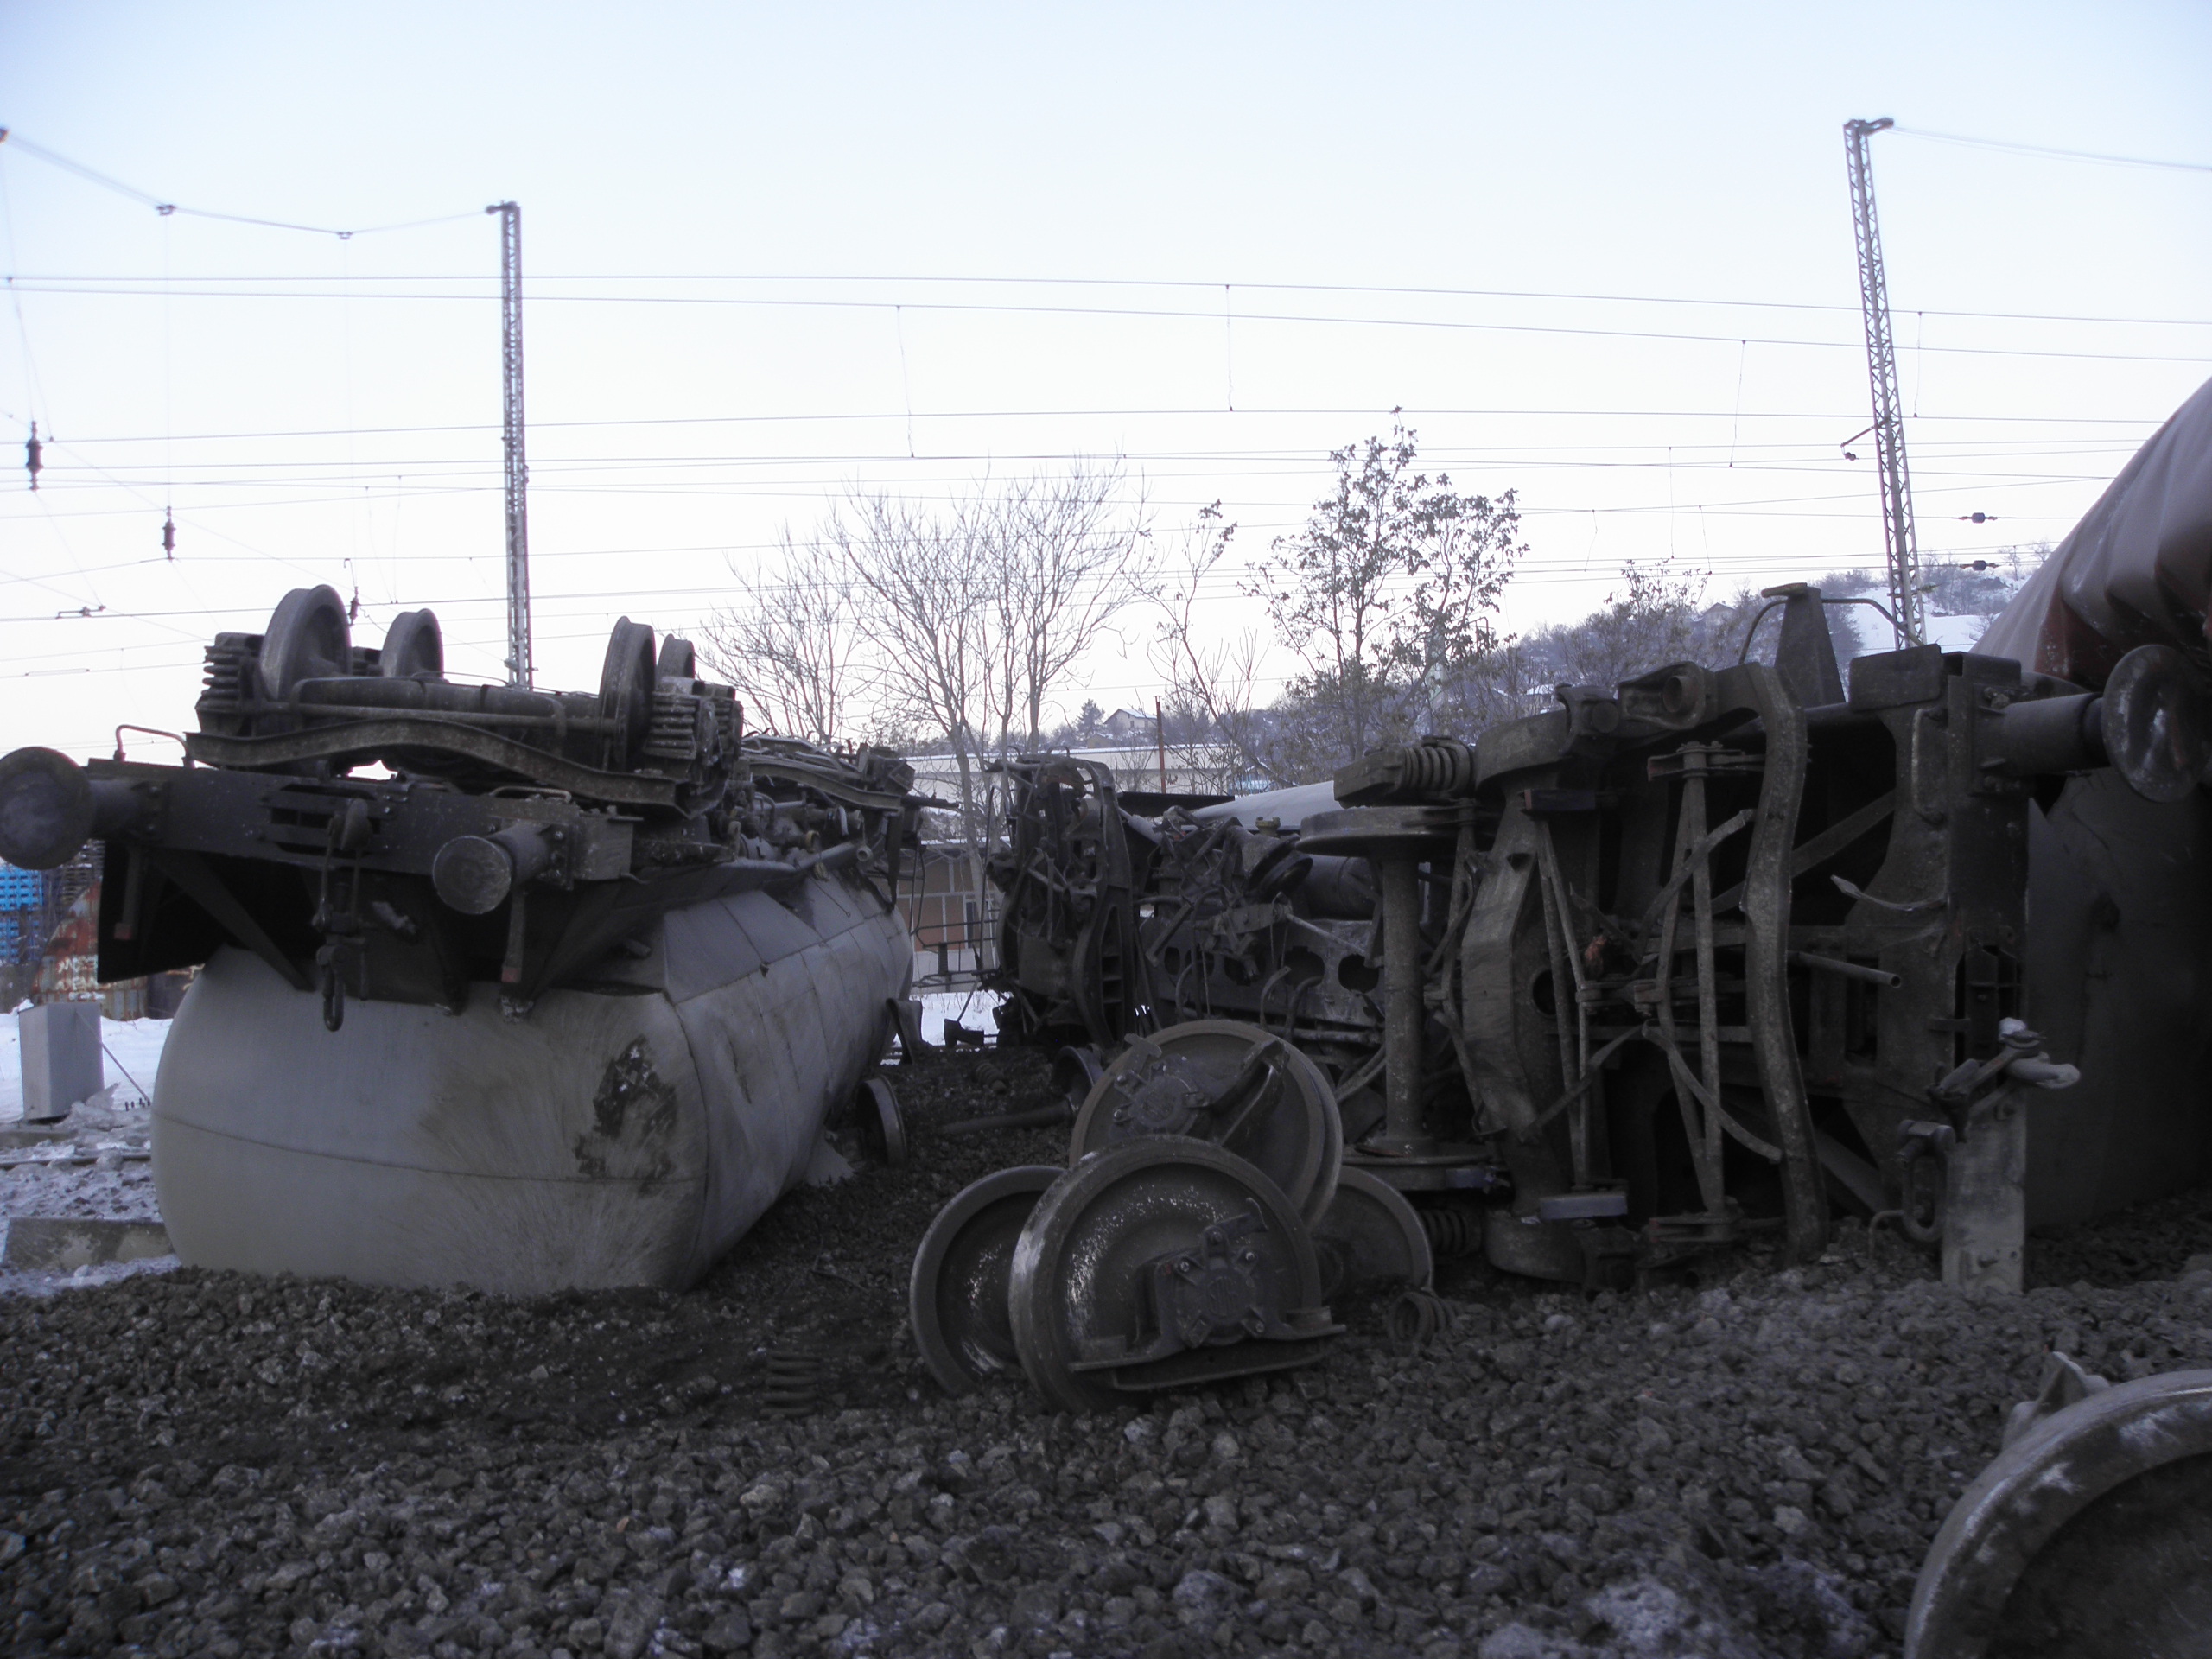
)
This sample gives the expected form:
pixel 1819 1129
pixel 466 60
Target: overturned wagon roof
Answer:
pixel 2136 571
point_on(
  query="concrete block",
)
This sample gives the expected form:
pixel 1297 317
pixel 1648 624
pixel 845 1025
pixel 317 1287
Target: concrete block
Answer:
pixel 59 1043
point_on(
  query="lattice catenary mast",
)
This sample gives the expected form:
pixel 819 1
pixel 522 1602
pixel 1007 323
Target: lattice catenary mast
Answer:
pixel 1882 373
pixel 518 664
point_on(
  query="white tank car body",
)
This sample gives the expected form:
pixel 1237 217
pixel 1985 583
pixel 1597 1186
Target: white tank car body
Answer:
pixel 624 1134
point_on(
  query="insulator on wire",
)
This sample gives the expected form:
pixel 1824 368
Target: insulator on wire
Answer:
pixel 34 456
pixel 169 537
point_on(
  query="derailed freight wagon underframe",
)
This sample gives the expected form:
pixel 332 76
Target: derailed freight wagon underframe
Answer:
pixel 1716 953
pixel 560 999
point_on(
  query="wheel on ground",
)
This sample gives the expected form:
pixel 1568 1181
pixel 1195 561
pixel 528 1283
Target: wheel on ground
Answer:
pixel 882 1130
pixel 956 1296
pixel 1371 1240
pixel 2088 1534
pixel 1153 1257
pixel 1234 1084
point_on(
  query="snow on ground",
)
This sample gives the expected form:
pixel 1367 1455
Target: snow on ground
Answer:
pixel 1957 632
pixel 971 1008
pixel 132 1052
pixel 93 1163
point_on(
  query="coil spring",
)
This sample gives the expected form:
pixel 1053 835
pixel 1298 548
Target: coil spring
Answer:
pixel 224 676
pixel 1415 1319
pixel 1452 1233
pixel 798 1378
pixel 1444 766
pixel 674 734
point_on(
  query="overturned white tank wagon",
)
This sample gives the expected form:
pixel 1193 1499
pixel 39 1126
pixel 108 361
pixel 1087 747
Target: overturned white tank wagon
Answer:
pixel 562 1001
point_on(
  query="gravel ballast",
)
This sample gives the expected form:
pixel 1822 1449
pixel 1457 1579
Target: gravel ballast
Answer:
pixel 198 1463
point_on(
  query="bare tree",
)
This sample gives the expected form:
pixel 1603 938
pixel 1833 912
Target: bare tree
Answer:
pixel 928 598
pixel 791 651
pixel 1214 719
pixel 1075 552
pixel 973 611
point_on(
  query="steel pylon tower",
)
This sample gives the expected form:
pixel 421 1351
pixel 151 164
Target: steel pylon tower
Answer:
pixel 1882 375
pixel 518 664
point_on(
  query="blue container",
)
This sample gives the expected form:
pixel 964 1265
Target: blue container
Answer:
pixel 20 889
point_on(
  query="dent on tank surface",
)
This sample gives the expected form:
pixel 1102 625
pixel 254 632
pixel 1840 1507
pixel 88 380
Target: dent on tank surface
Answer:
pixel 560 998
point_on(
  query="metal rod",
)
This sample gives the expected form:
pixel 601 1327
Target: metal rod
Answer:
pixel 543 722
pixel 1567 988
pixel 1841 970
pixel 1708 990
pixel 1403 1011
pixel 1041 1117
pixel 1591 1103
pixel 1701 1123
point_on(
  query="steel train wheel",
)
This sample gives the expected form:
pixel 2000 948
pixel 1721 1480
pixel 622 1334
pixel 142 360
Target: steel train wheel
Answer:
pixel 308 638
pixel 2088 1535
pixel 956 1296
pixel 1371 1240
pixel 413 645
pixel 1082 1290
pixel 625 690
pixel 1229 1083
pixel 882 1128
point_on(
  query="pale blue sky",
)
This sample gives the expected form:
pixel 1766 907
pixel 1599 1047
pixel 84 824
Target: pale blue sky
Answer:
pixel 1683 153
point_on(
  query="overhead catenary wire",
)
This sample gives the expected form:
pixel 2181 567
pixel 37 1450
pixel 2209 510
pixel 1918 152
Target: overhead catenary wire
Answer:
pixel 2141 421
pixel 15 141
pixel 1155 313
pixel 166 209
pixel 773 478
pixel 1562 568
pixel 1566 295
pixel 2047 152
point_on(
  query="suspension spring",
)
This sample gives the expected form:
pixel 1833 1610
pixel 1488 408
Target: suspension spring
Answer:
pixel 1437 769
pixel 1452 1233
pixel 798 1380
pixel 1415 1320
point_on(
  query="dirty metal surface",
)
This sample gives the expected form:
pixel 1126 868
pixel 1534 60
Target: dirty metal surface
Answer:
pixel 1228 1083
pixel 2087 1534
pixel 1683 961
pixel 956 1297
pixel 562 1001
pixel 1159 1263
